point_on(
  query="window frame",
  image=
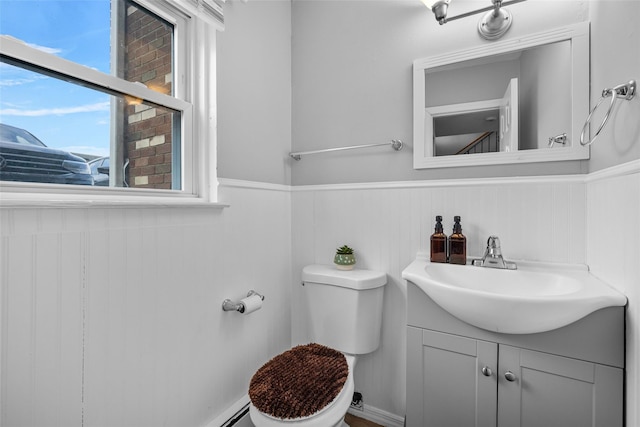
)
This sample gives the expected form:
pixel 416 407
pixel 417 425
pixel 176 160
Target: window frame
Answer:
pixel 194 96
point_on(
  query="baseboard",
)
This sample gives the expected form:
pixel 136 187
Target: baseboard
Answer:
pixel 378 416
pixel 236 414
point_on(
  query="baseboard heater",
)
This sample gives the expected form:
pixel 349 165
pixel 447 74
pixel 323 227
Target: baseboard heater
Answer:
pixel 239 419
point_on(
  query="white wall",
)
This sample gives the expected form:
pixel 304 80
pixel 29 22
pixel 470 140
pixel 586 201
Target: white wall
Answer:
pixel 615 43
pixel 460 85
pixel 254 91
pixel 545 73
pixel 112 317
pixel 352 83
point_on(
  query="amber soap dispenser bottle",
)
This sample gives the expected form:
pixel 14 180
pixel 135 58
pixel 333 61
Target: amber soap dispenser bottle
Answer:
pixel 438 243
pixel 457 244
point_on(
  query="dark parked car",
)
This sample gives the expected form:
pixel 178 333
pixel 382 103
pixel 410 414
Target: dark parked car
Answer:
pixel 23 157
pixel 97 170
pixel 100 170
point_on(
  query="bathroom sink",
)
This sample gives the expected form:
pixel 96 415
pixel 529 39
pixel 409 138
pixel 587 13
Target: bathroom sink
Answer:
pixel 534 298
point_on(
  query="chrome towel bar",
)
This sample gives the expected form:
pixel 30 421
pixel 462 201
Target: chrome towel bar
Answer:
pixel 624 91
pixel 396 144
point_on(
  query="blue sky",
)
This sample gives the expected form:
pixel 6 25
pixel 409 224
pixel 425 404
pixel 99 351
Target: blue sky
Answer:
pixel 61 114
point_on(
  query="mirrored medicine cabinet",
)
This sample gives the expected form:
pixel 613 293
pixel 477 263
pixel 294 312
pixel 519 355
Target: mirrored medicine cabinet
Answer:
pixel 502 102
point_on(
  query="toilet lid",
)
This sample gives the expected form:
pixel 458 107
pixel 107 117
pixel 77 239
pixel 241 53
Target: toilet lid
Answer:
pixel 299 382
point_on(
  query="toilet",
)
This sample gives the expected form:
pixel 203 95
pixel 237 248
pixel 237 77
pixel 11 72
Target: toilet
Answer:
pixel 314 382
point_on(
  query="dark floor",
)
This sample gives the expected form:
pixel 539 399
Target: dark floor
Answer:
pixel 354 421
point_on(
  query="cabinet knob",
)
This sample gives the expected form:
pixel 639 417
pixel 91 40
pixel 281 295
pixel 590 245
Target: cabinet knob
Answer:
pixel 509 376
pixel 486 371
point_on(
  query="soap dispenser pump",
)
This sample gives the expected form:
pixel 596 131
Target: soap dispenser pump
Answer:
pixel 438 242
pixel 457 244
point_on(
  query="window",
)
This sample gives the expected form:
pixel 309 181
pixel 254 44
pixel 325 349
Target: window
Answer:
pixel 109 87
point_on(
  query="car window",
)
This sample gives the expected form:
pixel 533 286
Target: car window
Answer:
pixel 18 136
pixel 95 165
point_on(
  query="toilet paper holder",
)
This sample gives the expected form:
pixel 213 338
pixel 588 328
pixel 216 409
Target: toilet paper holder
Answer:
pixel 228 305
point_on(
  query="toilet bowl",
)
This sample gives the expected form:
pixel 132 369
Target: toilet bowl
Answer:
pixel 344 311
pixel 331 415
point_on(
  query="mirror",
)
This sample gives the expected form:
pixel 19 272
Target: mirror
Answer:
pixel 502 102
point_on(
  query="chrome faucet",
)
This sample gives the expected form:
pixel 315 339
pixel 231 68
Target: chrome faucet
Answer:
pixel 493 256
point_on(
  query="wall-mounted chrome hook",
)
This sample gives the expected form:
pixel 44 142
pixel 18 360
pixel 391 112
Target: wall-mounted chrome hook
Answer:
pixel 625 90
pixel 558 139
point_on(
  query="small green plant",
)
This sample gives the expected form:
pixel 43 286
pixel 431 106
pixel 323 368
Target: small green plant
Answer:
pixel 344 259
pixel 344 250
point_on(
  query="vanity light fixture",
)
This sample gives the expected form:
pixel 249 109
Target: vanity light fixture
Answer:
pixel 493 25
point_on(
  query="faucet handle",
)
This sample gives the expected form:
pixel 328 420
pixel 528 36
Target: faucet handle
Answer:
pixel 493 242
pixel 493 256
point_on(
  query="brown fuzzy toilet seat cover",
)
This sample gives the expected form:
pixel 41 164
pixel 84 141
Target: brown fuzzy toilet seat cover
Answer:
pixel 299 382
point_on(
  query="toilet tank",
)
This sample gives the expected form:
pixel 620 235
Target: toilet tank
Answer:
pixel 344 308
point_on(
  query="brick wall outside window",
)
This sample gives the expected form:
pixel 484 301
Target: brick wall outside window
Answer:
pixel 148 129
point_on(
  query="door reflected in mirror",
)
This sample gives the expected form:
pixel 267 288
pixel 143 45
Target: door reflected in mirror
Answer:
pixel 467 133
pixel 476 127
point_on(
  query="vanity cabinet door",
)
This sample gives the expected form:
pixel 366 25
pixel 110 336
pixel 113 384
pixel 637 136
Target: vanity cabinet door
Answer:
pixel 539 389
pixel 446 382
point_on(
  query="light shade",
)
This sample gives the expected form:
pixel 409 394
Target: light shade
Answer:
pixel 431 3
pixel 439 9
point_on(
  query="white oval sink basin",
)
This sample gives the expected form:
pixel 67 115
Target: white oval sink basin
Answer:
pixel 534 298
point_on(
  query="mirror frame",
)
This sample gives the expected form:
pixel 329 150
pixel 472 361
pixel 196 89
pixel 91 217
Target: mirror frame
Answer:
pixel 577 34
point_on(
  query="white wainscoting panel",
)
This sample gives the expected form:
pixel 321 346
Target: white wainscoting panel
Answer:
pixel 536 219
pixel 112 316
pixel 41 329
pixel 613 219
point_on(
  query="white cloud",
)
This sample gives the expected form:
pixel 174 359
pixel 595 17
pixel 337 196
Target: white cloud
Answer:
pixel 51 50
pixel 90 108
pixel 15 82
pixel 15 76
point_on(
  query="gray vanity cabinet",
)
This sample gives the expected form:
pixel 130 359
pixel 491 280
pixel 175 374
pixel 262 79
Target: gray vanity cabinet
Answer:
pixel 460 375
pixel 548 390
pixel 445 384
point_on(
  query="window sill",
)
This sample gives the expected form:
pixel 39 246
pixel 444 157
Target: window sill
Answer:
pixel 66 196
